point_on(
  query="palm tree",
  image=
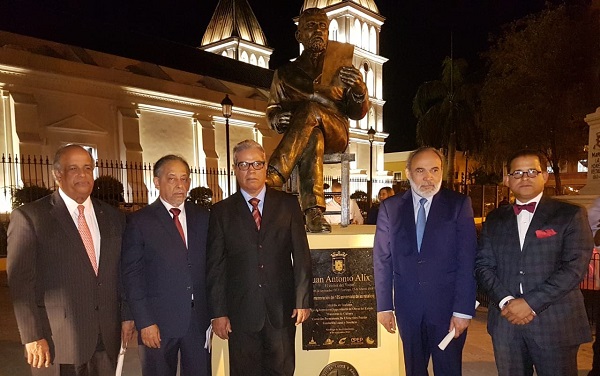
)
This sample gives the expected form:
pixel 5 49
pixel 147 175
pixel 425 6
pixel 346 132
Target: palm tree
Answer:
pixel 446 111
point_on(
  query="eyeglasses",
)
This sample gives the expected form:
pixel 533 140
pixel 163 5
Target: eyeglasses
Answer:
pixel 244 166
pixel 531 173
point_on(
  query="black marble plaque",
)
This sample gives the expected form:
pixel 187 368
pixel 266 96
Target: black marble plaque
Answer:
pixel 345 311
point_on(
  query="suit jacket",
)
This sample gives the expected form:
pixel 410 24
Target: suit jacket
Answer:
pixel 56 294
pixel 251 273
pixel 555 256
pixel 436 281
pixel 160 274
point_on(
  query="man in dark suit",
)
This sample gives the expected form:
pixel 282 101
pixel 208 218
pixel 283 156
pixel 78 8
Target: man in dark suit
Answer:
pixel 531 259
pixel 63 273
pixel 259 270
pixel 424 255
pixel 164 275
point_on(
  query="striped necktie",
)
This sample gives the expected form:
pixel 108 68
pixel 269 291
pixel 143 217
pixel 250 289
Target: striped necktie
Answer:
pixel 255 212
pixel 86 237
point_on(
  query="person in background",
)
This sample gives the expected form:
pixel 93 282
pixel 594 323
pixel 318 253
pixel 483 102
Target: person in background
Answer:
pixel 384 193
pixel 164 274
pixel 259 270
pixel 504 201
pixel 335 204
pixel 531 258
pixel 424 255
pixel 63 273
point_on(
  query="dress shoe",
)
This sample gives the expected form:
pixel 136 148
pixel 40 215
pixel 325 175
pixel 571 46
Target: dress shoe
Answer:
pixel 315 221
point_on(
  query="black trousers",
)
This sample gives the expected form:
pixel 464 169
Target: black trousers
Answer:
pixel 269 352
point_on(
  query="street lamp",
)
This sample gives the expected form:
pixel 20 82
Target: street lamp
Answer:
pixel 226 107
pixel 371 133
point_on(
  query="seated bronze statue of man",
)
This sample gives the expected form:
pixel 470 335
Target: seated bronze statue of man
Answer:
pixel 312 115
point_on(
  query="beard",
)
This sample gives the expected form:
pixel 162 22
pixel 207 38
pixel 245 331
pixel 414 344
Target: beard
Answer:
pixel 425 190
pixel 316 44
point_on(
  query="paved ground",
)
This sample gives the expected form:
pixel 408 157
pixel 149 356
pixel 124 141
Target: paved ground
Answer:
pixel 478 355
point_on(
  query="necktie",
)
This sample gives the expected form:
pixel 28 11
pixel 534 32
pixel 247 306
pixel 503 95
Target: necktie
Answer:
pixel 176 213
pixel 86 237
pixel 421 220
pixel 530 207
pixel 255 212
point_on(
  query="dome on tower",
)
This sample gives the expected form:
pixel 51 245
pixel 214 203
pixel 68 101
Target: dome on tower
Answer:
pixel 367 4
pixel 234 18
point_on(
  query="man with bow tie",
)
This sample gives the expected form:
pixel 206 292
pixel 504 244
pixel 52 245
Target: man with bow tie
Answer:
pixel 531 258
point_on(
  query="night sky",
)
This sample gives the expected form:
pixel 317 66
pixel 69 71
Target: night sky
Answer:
pixel 415 38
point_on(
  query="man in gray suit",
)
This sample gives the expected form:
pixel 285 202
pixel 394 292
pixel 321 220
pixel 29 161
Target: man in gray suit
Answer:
pixel 531 259
pixel 63 273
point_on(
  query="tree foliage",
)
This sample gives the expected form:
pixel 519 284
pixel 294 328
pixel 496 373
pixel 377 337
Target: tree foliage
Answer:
pixel 542 80
pixel 446 111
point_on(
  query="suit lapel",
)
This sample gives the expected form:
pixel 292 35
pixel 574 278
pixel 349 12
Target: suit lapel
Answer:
pixel 407 213
pixel 540 217
pixel 103 227
pixel 268 214
pixel 60 212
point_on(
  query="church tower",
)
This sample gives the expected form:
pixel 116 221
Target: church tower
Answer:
pixel 234 32
pixel 358 22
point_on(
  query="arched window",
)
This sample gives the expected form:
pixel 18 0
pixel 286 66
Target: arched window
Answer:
pixel 261 62
pixel 355 34
pixel 370 81
pixel 333 30
pixel 365 37
pixel 372 40
pixel 244 57
pixel 224 53
pixel 252 59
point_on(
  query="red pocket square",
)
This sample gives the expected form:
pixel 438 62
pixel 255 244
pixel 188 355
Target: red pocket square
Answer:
pixel 541 234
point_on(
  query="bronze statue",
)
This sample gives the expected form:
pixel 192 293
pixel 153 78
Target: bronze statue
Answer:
pixel 312 115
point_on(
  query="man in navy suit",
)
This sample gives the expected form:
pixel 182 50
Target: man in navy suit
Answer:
pixel 424 255
pixel 531 259
pixel 259 270
pixel 164 275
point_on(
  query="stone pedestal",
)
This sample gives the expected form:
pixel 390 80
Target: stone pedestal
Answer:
pixel 386 359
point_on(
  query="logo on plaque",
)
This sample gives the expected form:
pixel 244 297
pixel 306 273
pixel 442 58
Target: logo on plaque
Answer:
pixel 339 369
pixel 338 262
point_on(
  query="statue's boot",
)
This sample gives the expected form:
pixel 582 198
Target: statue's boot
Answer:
pixel 315 221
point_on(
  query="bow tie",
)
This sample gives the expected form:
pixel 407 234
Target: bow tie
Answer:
pixel 530 207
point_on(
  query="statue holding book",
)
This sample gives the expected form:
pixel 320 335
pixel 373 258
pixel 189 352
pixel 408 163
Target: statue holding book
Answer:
pixel 311 100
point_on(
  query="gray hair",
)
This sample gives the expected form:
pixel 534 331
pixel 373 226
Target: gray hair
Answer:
pixel 245 145
pixel 421 150
pixel 169 158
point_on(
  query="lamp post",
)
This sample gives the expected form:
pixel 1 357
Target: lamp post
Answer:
pixel 371 133
pixel 226 107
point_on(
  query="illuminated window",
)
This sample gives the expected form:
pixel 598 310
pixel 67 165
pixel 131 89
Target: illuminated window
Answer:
pixel 355 34
pixel 253 59
pixel 365 37
pixel 333 30
pixel 373 40
pixel 261 62
pixel 244 57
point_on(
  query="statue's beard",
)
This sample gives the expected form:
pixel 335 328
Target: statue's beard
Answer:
pixel 316 45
